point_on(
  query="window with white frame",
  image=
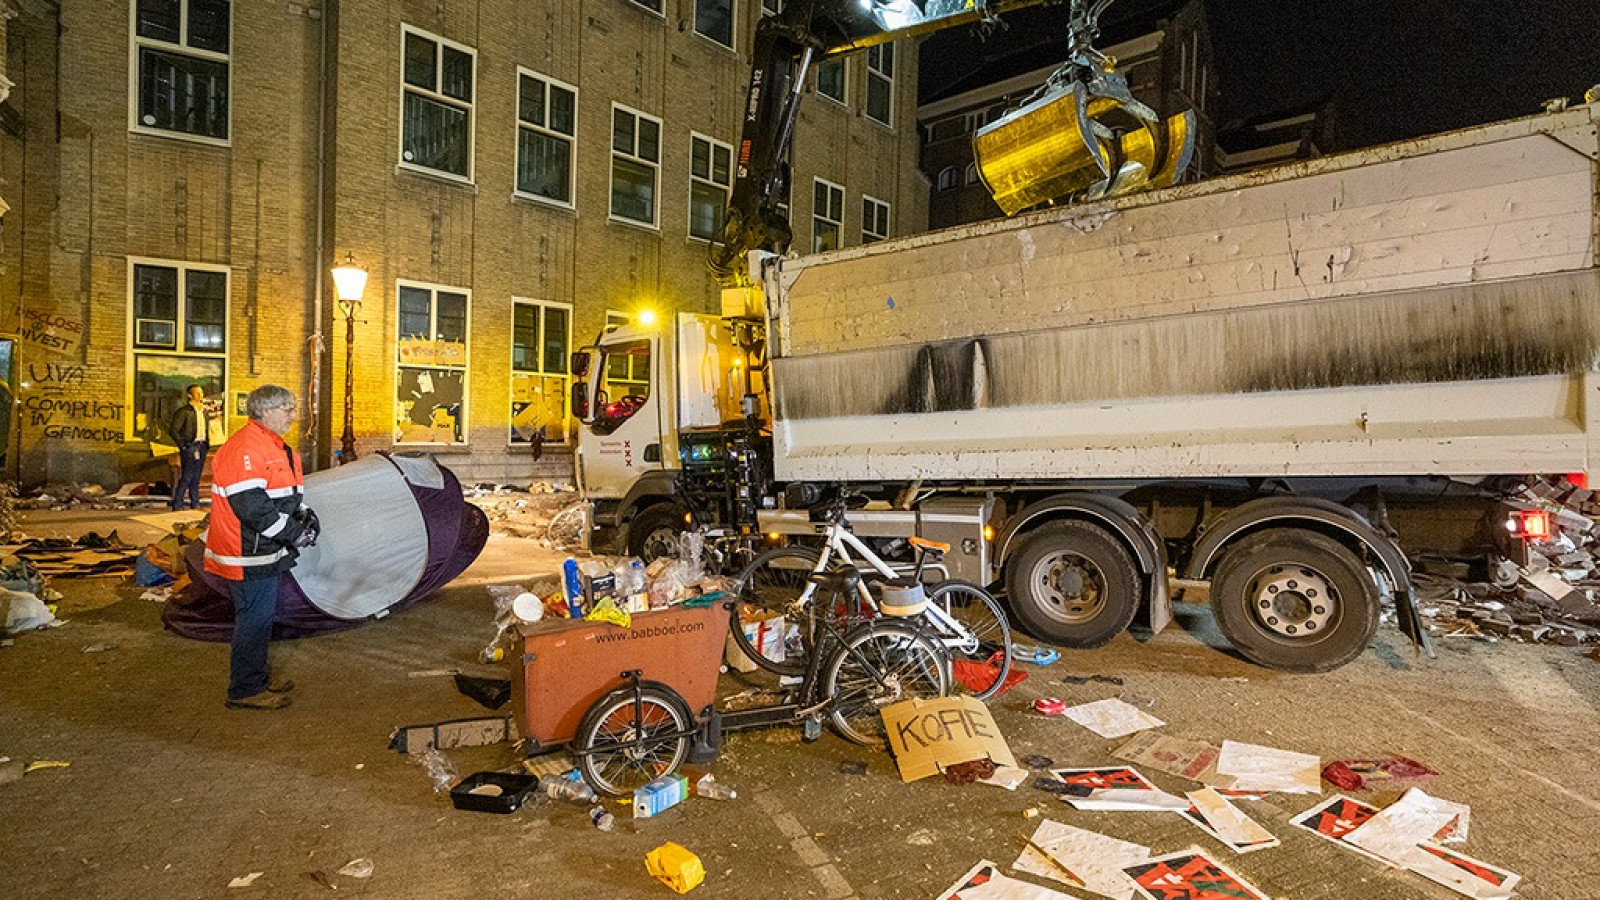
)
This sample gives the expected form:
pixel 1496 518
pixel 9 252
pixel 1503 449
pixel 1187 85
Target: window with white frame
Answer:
pixel 948 179
pixel 431 364
pixel 541 343
pixel 880 83
pixel 714 19
pixel 179 337
pixel 652 5
pixel 182 65
pixel 710 179
pixel 771 7
pixel 436 104
pixel 831 79
pixel 827 216
pixel 635 164
pixel 874 219
pixel 547 121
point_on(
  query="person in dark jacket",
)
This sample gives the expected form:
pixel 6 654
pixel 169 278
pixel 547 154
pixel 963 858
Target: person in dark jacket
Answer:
pixel 188 429
pixel 258 525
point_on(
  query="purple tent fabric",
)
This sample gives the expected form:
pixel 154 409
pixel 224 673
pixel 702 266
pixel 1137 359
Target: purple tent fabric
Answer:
pixel 456 534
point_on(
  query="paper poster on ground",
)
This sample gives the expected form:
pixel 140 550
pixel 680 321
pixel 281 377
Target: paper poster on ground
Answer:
pixel 1190 875
pixel 1097 860
pixel 1112 718
pixel 1257 768
pixel 984 881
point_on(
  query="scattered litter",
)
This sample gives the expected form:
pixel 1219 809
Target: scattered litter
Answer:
pixel 430 673
pixel 1112 718
pixel 1035 761
pixel 1038 656
pixel 98 648
pixel 36 765
pixel 927 735
pixel 493 693
pixel 676 867
pixel 321 877
pixel 549 764
pixel 1174 755
pixel 922 837
pixel 1375 774
pixel 1085 679
pixel 1061 788
pixel 11 770
pixel 438 768
pixel 852 767
pixel 1007 777
pixel 1118 788
pixel 452 734
pixel 491 792
pixel 969 772
pixel 1461 873
pixel 659 796
pixel 25 612
pixel 1394 832
pixel 157 595
pixel 1253 767
pixel 357 868
pixel 1094 859
pixel 984 880
pixel 1333 820
pixel 1049 706
pixel 1190 874
pixel 602 819
pixel 245 880
pixel 1222 820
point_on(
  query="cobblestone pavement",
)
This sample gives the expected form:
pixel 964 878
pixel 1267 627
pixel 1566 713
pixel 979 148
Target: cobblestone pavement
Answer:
pixel 171 795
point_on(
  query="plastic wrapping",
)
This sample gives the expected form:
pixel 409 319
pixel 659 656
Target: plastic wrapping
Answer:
pixel 439 769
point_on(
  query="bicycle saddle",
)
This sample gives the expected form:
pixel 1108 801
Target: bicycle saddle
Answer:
pixel 842 580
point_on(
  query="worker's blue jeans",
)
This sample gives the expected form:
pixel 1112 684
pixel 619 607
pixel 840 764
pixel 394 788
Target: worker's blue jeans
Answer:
pixel 191 463
pixel 255 603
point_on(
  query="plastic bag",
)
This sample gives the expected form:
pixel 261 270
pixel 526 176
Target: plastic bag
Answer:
pixel 439 768
pixel 25 612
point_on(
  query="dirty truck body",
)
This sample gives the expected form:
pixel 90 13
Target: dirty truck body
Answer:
pixel 1227 376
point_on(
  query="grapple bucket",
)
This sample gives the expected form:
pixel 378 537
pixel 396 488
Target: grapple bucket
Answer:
pixel 1061 144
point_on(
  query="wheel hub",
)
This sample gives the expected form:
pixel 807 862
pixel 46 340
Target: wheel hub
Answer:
pixel 1072 587
pixel 1293 601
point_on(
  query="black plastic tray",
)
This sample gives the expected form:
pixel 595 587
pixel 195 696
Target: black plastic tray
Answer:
pixel 514 789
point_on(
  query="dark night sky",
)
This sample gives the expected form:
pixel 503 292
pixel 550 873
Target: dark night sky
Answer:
pixel 1394 68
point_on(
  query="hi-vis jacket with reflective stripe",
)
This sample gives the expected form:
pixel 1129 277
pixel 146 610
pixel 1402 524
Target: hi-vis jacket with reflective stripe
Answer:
pixel 256 487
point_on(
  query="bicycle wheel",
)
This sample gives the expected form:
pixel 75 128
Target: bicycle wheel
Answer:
pixel 658 720
pixel 879 663
pixel 978 637
pixel 769 587
pixel 567 526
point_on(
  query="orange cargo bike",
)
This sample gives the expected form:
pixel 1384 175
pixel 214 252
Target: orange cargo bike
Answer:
pixel 635 703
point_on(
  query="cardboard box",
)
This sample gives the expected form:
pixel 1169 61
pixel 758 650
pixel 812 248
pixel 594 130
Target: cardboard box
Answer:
pixel 925 736
pixel 659 795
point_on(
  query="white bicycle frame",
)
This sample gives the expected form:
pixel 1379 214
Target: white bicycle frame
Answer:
pixel 840 540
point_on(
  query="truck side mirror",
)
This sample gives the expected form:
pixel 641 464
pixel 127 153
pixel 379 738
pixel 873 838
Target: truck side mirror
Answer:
pixel 580 399
pixel 580 363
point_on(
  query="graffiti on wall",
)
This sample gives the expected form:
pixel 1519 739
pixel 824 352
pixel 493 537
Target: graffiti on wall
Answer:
pixel 57 403
pixel 50 330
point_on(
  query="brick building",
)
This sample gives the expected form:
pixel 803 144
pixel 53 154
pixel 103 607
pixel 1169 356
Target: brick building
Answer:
pixel 183 174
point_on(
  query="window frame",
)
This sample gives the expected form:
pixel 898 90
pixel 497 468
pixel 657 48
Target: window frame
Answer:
pixel 884 50
pixel 834 190
pixel 179 350
pixel 571 139
pixel 887 209
pixel 655 198
pixel 568 433
pixel 644 6
pixel 844 81
pixel 733 23
pixel 771 8
pixel 726 189
pixel 136 42
pixel 465 367
pixel 437 96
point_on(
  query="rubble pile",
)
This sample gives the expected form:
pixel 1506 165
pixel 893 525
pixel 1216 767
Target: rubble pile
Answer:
pixel 63 495
pixel 1552 597
pixel 523 512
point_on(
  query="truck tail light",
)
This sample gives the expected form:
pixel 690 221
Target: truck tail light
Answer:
pixel 1578 479
pixel 1529 524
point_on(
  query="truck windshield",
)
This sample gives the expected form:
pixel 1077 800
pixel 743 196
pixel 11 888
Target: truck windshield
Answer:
pixel 624 384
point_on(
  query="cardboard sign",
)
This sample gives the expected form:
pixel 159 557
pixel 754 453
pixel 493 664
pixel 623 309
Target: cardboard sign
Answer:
pixel 925 736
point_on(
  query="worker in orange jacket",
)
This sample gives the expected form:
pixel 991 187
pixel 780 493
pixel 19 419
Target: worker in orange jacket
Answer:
pixel 258 525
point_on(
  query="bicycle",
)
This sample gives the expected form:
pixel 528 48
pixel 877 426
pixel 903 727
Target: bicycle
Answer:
pixel 644 729
pixel 964 617
pixel 569 527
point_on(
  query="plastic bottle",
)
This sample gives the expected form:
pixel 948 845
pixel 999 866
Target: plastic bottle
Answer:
pixel 602 819
pixel 557 788
pixel 638 584
pixel 709 787
pixel 574 584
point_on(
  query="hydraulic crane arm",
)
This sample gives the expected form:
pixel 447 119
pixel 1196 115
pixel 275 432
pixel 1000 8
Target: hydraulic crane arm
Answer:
pixel 1033 160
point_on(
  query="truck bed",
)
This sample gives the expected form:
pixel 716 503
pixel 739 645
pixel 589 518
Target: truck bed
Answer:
pixel 1426 307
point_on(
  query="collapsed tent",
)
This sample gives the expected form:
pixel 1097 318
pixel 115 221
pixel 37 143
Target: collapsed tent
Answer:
pixel 394 529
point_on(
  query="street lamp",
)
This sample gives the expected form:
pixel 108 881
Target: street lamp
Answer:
pixel 349 280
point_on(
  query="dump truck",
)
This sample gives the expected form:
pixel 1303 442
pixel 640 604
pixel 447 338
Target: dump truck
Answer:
pixel 1220 384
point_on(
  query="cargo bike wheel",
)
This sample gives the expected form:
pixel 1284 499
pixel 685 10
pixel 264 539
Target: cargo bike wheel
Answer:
pixel 632 736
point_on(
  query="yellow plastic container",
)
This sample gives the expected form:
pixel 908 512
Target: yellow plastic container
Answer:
pixel 676 867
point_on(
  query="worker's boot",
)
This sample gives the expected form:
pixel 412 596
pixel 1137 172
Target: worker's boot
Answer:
pixel 279 684
pixel 263 700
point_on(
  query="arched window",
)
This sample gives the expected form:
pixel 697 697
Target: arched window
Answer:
pixel 947 178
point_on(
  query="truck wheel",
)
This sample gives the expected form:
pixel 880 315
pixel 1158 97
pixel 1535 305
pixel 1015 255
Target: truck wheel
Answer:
pixel 654 531
pixel 1295 600
pixel 1073 584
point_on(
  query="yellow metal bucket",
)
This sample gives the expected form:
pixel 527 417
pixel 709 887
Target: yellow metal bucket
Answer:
pixel 1056 147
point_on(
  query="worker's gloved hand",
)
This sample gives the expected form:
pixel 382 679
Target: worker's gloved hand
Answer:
pixel 310 527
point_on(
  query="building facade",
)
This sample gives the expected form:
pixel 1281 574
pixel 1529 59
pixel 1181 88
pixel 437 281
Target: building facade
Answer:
pixel 1169 67
pixel 513 177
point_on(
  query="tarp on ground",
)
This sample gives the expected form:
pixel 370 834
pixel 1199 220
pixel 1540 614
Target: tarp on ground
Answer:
pixel 394 529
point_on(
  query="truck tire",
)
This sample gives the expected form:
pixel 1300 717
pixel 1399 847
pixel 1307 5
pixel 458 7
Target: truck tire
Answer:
pixel 654 531
pixel 1073 584
pixel 1295 600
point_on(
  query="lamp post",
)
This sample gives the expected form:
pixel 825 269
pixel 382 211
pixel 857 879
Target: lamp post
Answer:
pixel 349 280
